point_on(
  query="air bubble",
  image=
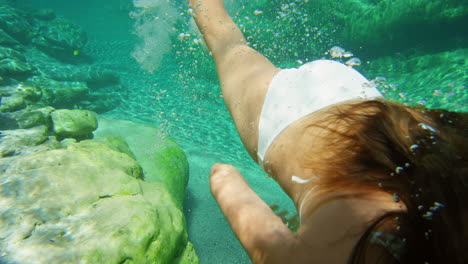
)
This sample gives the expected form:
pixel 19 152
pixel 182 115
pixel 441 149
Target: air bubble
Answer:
pixel 427 127
pixel 428 215
pixel 414 147
pixel 399 169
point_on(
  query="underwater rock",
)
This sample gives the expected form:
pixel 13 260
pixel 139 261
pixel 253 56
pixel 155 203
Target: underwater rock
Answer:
pixel 15 24
pixel 162 159
pixel 12 62
pixel 45 14
pixel 7 90
pixel 20 141
pixel 12 103
pixel 59 38
pixel 66 142
pixel 64 94
pixel 116 143
pixel 31 119
pixel 100 102
pixel 97 77
pixel 87 204
pixel 6 39
pixel 34 117
pixel 6 122
pixel 60 94
pixel 74 123
pixel 30 93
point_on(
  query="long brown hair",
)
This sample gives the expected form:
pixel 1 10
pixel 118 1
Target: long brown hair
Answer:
pixel 418 155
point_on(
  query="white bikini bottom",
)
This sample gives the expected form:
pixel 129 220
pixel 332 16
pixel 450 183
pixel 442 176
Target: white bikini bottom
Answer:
pixel 295 93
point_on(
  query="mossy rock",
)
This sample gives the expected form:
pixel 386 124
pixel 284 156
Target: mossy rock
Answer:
pixel 12 103
pixel 74 123
pixel 31 119
pixel 117 143
pixel 87 204
pixel 162 159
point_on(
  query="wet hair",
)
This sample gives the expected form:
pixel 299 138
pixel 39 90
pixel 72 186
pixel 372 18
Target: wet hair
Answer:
pixel 420 157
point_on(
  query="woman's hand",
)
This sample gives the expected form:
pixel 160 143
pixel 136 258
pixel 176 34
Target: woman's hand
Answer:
pixel 261 232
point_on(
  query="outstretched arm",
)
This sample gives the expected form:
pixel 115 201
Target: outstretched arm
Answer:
pixel 219 31
pixel 244 73
pixel 262 233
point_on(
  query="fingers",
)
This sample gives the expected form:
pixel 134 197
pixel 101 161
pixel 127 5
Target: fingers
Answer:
pixel 221 174
pixel 222 169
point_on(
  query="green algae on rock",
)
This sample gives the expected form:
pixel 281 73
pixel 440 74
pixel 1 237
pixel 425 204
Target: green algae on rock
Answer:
pixel 87 204
pixel 22 141
pixel 161 158
pixel 116 143
pixel 31 119
pixel 12 103
pixel 74 123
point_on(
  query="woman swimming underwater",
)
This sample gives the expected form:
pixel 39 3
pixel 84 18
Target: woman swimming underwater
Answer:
pixel 373 181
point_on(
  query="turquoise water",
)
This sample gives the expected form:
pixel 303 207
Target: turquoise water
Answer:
pixel 419 59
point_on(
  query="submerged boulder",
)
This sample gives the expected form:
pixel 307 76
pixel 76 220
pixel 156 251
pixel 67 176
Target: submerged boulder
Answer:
pixel 21 141
pixel 59 37
pixel 60 94
pixel 73 94
pixel 45 14
pixel 162 159
pixel 12 62
pixel 74 123
pixel 7 122
pixel 87 204
pixel 31 119
pixel 12 103
pixel 102 201
pixel 15 24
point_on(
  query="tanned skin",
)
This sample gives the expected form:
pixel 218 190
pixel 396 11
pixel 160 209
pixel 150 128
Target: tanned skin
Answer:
pixel 330 225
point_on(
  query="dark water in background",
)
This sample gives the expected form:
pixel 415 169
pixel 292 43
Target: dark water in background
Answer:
pixel 182 95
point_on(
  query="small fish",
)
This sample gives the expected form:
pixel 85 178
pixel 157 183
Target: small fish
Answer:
pixel 353 62
pixel 258 12
pixel 76 52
